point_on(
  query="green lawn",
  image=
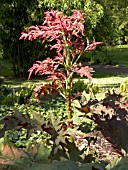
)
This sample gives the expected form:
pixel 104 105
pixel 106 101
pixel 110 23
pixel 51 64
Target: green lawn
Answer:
pixel 119 55
pixel 101 82
pixel 14 83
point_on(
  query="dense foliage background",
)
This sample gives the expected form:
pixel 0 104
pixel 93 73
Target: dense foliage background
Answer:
pixel 106 21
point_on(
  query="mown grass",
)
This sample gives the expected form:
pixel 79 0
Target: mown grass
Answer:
pixel 113 55
pixel 106 82
pixel 14 83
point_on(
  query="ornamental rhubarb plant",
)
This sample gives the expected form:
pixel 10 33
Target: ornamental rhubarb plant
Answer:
pixel 67 34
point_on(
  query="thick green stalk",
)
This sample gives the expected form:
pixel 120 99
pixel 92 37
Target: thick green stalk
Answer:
pixel 68 85
pixel 69 102
pixel 69 99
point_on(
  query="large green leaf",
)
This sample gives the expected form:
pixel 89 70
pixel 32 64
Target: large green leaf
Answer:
pixel 55 165
pixel 66 165
pixel 118 164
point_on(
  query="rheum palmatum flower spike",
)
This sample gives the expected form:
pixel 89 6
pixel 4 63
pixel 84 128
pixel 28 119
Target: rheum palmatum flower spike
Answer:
pixel 67 31
pixel 67 34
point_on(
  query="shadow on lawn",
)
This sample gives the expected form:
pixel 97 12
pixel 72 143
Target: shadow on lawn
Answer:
pixel 21 82
pixel 102 71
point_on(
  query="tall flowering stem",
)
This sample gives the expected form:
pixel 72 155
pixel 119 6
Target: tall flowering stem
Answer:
pixel 67 32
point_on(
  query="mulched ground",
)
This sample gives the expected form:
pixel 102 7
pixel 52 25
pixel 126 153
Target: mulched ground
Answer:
pixel 104 150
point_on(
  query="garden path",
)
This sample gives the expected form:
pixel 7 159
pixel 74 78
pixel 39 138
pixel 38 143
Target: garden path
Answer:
pixel 115 69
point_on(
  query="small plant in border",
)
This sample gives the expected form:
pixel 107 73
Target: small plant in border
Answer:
pixel 67 33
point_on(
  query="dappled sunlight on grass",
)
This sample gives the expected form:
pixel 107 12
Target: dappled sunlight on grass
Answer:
pixel 113 81
pixel 107 82
pixel 22 82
